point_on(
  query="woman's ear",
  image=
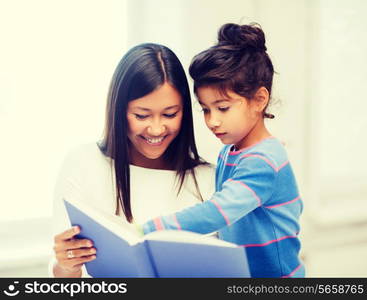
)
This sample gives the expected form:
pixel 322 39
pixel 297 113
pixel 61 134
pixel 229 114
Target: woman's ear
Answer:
pixel 261 99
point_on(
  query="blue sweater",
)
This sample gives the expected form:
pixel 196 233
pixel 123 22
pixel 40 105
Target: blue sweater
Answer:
pixel 256 206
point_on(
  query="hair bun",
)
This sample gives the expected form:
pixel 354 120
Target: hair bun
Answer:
pixel 249 37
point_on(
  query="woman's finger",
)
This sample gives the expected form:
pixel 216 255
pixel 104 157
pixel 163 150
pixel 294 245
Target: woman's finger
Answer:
pixel 77 261
pixel 67 234
pixel 72 244
pixel 74 264
pixel 75 253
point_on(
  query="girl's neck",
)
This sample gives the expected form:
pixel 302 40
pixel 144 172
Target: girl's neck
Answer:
pixel 257 133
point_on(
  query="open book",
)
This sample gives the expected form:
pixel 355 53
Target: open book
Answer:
pixel 121 252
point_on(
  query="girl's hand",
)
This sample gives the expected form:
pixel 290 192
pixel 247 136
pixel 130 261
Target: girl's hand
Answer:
pixel 72 253
pixel 139 229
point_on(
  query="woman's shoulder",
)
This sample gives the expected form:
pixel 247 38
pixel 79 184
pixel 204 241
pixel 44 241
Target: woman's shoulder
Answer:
pixel 84 152
pixel 83 157
pixel 207 169
pixel 205 176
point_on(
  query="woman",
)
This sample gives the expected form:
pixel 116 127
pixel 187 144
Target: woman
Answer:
pixel 147 162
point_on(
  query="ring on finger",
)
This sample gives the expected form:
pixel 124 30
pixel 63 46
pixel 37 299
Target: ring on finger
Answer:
pixel 69 254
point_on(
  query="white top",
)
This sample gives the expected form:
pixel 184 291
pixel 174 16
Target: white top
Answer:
pixel 86 175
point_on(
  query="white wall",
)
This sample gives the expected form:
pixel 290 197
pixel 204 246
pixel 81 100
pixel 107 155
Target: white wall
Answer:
pixel 56 62
pixel 343 76
pixel 57 58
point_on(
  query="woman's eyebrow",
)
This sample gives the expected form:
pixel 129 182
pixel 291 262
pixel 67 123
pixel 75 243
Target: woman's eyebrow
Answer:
pixel 173 106
pixel 147 109
pixel 141 108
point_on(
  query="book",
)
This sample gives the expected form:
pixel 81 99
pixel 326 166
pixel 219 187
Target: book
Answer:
pixel 122 252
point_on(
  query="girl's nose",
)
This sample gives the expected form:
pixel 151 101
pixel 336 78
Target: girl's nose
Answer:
pixel 213 122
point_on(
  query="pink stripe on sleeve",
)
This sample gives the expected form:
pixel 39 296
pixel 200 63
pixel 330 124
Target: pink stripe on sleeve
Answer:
pixel 292 273
pixel 285 203
pixel 263 158
pixel 247 187
pixel 158 223
pixel 220 209
pixel 283 165
pixel 178 224
pixel 276 169
pixel 270 242
pixel 231 165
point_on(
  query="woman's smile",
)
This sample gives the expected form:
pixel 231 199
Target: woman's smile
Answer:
pixel 156 141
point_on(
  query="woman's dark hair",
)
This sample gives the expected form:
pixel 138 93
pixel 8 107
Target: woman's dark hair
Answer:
pixel 238 62
pixel 143 69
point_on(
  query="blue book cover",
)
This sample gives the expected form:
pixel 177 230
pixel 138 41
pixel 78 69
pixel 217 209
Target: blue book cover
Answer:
pixel 121 252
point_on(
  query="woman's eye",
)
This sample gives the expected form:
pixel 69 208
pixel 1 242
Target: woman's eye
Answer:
pixel 223 108
pixel 170 116
pixel 141 117
pixel 205 110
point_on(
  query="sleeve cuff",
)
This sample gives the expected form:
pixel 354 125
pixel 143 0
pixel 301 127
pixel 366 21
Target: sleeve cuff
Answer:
pixel 148 227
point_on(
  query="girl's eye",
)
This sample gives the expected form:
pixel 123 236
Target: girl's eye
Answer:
pixel 170 116
pixel 141 117
pixel 205 110
pixel 223 108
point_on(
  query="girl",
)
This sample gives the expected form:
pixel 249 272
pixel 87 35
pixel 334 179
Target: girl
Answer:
pixel 256 204
pixel 148 149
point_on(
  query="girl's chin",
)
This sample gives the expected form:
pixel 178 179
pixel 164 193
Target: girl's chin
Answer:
pixel 227 141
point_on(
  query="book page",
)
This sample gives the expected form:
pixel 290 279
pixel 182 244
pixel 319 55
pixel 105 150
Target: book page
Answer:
pixel 187 237
pixel 117 225
pixel 128 232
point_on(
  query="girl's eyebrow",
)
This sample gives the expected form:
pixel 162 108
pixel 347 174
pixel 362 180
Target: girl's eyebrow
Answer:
pixel 216 101
pixel 147 109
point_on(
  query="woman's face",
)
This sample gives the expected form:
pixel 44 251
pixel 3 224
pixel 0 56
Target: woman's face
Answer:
pixel 154 121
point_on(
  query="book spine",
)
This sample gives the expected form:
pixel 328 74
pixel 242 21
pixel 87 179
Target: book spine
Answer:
pixel 144 262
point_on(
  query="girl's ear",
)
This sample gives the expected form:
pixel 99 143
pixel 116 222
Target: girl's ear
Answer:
pixel 261 98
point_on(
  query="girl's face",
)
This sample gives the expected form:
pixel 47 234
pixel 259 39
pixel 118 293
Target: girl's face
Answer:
pixel 231 118
pixel 154 121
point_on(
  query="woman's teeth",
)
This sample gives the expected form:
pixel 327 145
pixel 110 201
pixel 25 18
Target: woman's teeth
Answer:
pixel 154 140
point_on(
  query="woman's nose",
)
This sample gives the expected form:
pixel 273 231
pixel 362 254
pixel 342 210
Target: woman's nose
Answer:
pixel 156 129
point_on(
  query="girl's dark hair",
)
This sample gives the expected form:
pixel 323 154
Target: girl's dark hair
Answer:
pixel 143 69
pixel 238 62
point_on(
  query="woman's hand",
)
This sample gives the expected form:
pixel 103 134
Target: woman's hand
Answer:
pixel 71 253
